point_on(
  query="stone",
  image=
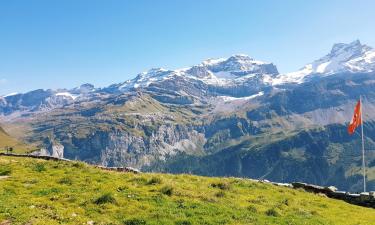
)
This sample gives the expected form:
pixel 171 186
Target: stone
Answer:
pixel 282 184
pixel 364 196
pixel 331 188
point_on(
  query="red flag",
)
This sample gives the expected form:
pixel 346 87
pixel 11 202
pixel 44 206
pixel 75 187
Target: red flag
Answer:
pixel 356 120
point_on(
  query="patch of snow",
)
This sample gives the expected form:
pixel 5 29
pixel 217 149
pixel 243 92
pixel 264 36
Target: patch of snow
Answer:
pixel 293 77
pixel 66 94
pixel 209 62
pixel 136 85
pixel 370 57
pixel 10 94
pixel 322 67
pixel 229 98
pixel 225 75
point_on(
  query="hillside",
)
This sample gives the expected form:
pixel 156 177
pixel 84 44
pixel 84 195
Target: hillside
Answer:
pixel 34 191
pixel 7 141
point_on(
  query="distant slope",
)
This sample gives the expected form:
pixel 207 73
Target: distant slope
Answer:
pixel 8 141
pixel 44 192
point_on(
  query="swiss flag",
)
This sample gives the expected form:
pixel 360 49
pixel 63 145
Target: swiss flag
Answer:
pixel 356 120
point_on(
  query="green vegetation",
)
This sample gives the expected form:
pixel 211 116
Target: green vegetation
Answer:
pixel 75 193
pixel 5 171
pixel 105 198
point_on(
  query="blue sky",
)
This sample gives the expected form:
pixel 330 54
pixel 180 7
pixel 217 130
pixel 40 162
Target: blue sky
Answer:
pixel 62 44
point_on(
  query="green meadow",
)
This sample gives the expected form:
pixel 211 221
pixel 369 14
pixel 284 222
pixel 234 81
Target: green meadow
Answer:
pixel 34 191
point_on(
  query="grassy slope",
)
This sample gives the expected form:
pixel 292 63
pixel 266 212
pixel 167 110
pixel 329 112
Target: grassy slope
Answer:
pixel 6 140
pixel 44 192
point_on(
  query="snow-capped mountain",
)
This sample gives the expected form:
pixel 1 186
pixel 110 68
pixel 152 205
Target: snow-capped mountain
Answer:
pixel 218 72
pixel 238 76
pixel 45 99
pixel 353 57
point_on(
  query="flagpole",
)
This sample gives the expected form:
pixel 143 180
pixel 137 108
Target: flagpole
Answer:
pixel 363 148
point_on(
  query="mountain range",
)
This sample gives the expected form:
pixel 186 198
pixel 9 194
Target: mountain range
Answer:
pixel 234 116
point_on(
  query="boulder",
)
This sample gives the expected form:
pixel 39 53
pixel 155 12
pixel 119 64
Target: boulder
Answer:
pixel 330 189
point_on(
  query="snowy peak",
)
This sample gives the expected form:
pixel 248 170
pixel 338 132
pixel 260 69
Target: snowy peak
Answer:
pixel 353 57
pixel 222 71
pixel 352 49
pixel 239 63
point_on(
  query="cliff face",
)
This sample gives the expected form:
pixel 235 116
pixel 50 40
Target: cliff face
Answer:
pixel 119 147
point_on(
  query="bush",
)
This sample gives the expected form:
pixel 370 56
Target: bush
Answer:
pixel 135 222
pixel 167 190
pixel 5 171
pixel 39 167
pixel 154 180
pixel 105 198
pixel 272 212
pixel 221 185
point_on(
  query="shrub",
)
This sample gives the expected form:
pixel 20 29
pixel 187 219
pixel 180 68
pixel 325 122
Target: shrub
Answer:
pixel 167 190
pixel 5 171
pixel 39 167
pixel 154 180
pixel 105 198
pixel 272 212
pixel 221 185
pixel 135 222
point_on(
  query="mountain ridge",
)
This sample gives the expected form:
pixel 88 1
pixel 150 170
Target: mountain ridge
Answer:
pixel 218 118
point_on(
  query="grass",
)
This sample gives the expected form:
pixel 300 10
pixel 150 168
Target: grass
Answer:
pixel 75 193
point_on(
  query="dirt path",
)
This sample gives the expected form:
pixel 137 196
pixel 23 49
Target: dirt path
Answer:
pixel 3 177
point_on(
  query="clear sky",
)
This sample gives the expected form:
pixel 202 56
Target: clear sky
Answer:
pixel 62 44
